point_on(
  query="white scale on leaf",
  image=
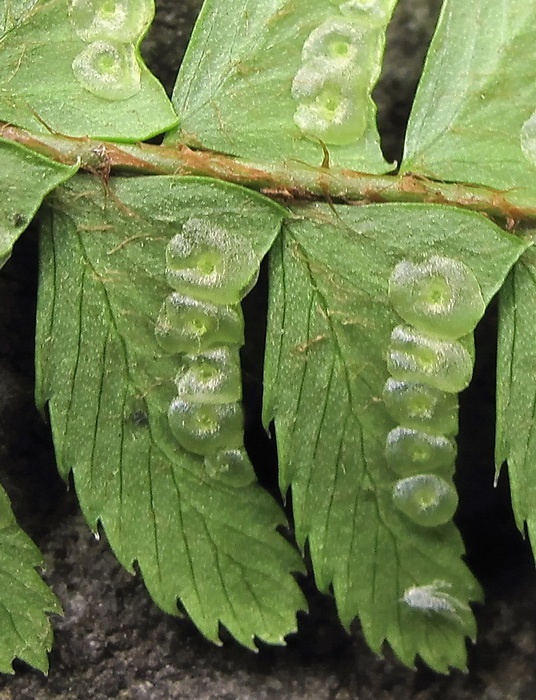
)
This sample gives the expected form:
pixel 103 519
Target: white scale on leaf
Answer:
pixel 108 70
pixel 201 322
pixel 433 598
pixel 187 324
pixel 339 60
pixel 205 262
pixel 108 67
pixel 422 357
pixel 440 295
pixel 427 499
pixel 213 375
pixel 409 451
pixel 441 301
pixel 369 9
pixel 422 407
pixel 204 428
pixel 117 20
pixel 231 466
pixel 338 42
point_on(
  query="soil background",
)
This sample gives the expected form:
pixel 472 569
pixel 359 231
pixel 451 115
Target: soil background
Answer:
pixel 113 643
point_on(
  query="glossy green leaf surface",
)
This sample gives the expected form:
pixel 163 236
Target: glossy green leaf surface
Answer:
pixel 25 599
pixel 109 384
pixel 274 80
pixel 516 389
pixel 473 116
pixel 72 67
pixel 25 179
pixel 330 330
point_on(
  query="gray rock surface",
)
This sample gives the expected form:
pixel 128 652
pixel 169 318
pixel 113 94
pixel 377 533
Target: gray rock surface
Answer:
pixel 113 643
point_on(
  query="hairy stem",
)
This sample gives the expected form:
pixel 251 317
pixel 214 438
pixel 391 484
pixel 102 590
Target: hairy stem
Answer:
pixel 287 180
